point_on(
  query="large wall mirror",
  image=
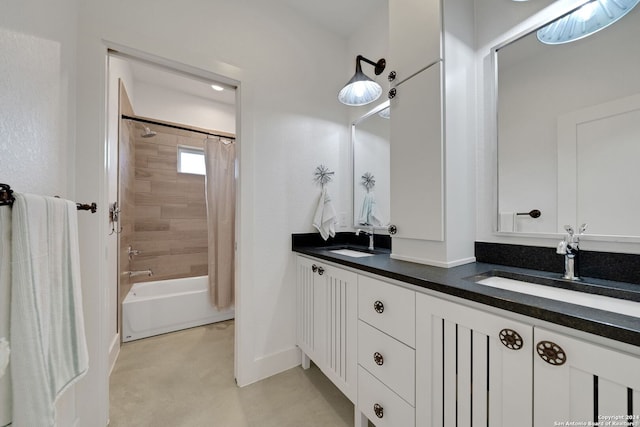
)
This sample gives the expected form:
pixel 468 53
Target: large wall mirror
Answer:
pixel 568 128
pixel 371 168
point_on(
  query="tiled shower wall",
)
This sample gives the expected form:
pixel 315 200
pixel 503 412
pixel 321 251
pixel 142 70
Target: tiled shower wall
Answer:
pixel 170 228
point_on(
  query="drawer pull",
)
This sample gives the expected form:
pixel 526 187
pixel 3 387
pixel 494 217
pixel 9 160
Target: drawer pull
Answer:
pixel 378 306
pixel 377 357
pixel 320 271
pixel 511 339
pixel 378 410
pixel 551 353
pixel 314 268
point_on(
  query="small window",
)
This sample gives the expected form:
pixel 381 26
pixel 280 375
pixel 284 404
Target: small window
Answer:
pixel 191 160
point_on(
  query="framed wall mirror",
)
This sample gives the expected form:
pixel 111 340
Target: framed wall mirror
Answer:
pixel 370 144
pixel 568 130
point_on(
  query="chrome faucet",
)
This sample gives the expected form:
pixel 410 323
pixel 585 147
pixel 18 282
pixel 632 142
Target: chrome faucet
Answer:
pixel 368 233
pixel 570 248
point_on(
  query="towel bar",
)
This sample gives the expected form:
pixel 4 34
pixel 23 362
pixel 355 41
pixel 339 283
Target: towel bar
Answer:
pixel 7 199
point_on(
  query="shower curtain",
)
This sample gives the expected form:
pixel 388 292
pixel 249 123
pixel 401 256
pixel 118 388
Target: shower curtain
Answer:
pixel 220 158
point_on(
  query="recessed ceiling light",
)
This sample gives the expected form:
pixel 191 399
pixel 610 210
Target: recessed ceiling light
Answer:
pixel 217 88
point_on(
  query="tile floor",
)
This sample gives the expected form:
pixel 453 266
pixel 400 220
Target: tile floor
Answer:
pixel 185 379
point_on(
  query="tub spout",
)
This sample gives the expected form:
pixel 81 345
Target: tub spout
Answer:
pixel 140 273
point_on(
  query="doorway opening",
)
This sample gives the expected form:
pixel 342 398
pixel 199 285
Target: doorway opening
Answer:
pixel 160 118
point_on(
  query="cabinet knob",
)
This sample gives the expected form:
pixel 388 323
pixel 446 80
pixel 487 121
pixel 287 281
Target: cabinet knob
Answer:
pixel 551 353
pixel 511 339
pixel 392 229
pixel 320 271
pixel 392 93
pixel 377 357
pixel 314 268
pixel 378 410
pixel 392 76
pixel 378 306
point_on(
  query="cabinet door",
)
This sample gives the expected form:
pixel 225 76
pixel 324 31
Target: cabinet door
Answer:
pixel 417 157
pixel 465 375
pixel 307 310
pixel 415 28
pixel 583 382
pixel 338 331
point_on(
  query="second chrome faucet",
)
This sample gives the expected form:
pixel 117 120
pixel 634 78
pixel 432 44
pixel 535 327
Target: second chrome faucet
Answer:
pixel 570 248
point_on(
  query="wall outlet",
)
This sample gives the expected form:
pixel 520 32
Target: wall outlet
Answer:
pixel 342 220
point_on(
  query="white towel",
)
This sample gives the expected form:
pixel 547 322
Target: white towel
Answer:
pixel 48 344
pixel 369 214
pixel 325 217
pixel 5 300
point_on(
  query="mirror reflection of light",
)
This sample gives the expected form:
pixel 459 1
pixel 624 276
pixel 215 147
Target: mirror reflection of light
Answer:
pixel 588 19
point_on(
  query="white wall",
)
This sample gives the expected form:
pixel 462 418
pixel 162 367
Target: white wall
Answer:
pixel 287 127
pixel 161 103
pixel 37 121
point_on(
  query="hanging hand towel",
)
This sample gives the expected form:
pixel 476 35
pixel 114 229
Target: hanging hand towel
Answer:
pixel 325 217
pixel 5 301
pixel 48 344
pixel 369 214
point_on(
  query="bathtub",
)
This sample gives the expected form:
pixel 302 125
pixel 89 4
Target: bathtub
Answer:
pixel 153 308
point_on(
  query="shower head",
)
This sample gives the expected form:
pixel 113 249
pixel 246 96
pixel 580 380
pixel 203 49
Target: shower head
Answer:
pixel 147 133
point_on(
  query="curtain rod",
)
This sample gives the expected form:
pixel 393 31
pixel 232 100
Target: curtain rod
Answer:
pixel 153 122
pixel 7 199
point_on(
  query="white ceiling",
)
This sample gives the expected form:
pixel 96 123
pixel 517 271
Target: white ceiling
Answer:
pixel 342 17
pixel 158 76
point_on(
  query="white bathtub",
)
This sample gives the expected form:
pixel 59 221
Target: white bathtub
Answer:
pixel 153 308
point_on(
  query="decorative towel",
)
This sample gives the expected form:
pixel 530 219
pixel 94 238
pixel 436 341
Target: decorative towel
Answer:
pixel 369 214
pixel 48 344
pixel 325 217
pixel 5 300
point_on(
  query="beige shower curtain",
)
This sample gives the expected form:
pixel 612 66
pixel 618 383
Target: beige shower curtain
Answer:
pixel 219 155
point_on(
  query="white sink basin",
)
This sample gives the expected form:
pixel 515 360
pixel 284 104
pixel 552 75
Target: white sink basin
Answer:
pixel 351 253
pixel 615 305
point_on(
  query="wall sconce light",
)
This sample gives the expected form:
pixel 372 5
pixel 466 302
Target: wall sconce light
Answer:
pixel 589 18
pixel 361 90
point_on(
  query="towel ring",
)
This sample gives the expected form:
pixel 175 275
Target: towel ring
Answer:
pixel 323 175
pixel 368 181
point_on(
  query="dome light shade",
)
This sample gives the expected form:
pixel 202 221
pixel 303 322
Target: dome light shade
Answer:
pixel 589 18
pixel 361 90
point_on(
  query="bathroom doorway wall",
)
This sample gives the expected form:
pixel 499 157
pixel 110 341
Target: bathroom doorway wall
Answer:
pixel 158 207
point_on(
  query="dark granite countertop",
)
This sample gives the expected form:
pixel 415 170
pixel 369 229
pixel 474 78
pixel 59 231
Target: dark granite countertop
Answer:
pixel 460 282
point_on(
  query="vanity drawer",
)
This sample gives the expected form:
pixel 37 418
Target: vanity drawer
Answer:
pixel 392 411
pixel 388 307
pixel 389 360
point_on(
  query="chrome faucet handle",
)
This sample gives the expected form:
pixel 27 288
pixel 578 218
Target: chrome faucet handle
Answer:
pixel 562 247
pixel 569 229
pixel 583 228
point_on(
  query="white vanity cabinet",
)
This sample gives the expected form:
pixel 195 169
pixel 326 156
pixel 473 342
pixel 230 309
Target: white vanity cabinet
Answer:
pixel 386 353
pixel 432 181
pixel 417 157
pixel 472 368
pixel 581 381
pixel 327 321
